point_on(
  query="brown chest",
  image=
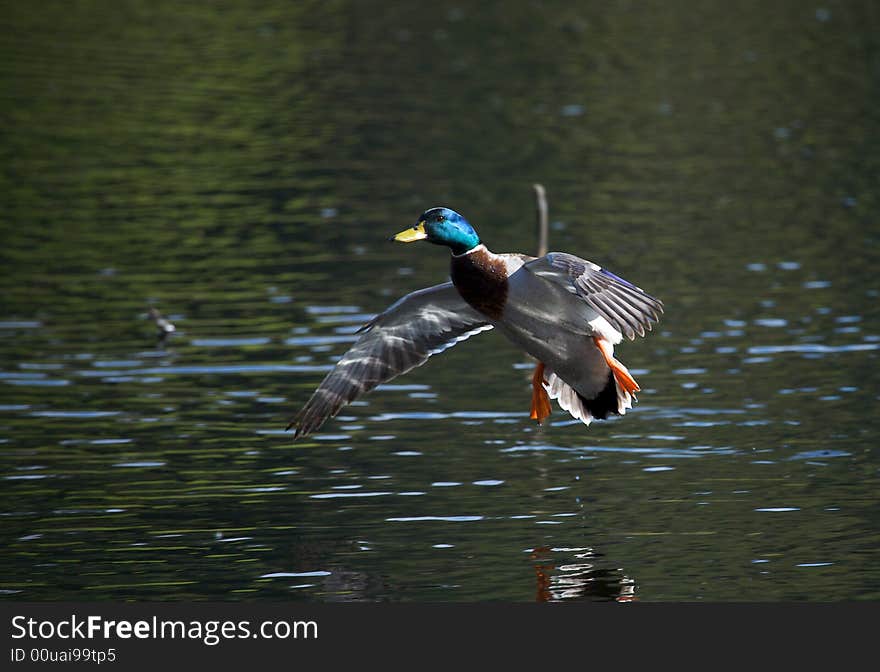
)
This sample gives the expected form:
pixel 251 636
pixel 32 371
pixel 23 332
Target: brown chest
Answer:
pixel 481 280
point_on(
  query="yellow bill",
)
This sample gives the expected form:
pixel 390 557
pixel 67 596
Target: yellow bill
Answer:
pixel 412 234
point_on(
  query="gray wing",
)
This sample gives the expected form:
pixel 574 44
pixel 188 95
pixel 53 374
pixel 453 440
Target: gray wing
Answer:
pixel 421 324
pixel 628 308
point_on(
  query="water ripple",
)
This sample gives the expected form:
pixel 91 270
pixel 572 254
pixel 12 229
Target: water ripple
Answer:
pixel 340 495
pixel 229 342
pixel 811 348
pixel 446 519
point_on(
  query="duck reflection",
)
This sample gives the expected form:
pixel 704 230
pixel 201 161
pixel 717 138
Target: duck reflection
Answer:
pixel 578 580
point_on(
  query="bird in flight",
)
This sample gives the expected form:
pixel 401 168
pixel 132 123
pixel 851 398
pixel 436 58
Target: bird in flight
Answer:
pixel 566 312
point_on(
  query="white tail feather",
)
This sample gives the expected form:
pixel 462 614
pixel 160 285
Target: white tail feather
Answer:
pixel 566 397
pixel 569 400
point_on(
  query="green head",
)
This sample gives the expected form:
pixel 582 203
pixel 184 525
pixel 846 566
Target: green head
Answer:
pixel 442 226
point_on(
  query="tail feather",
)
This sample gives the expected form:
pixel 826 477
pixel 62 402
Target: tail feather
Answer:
pixel 567 398
pixel 607 402
pixel 615 398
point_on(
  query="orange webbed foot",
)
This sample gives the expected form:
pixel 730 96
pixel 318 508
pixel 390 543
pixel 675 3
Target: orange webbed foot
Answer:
pixel 621 374
pixel 540 410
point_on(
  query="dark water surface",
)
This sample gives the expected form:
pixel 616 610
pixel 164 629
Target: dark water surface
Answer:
pixel 241 168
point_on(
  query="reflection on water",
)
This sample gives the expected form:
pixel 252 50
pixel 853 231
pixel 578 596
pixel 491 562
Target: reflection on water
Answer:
pixel 580 579
pixel 240 170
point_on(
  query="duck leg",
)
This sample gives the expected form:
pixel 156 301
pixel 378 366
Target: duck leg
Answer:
pixel 540 401
pixel 622 376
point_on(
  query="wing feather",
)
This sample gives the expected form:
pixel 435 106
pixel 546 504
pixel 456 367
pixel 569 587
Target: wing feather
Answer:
pixel 628 308
pixel 404 336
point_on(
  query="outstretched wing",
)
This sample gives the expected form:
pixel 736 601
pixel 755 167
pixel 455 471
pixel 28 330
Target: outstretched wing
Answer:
pixel 421 324
pixel 628 308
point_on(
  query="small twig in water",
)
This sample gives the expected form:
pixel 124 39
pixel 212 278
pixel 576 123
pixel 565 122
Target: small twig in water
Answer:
pixel 543 227
pixel 541 203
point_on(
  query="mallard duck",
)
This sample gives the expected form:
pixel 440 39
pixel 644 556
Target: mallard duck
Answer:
pixel 566 312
